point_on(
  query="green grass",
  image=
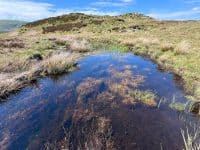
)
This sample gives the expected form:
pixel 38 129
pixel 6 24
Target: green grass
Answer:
pixel 146 97
pixel 177 106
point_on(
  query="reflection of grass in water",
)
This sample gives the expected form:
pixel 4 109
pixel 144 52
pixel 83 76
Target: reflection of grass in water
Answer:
pixel 118 48
pixel 118 53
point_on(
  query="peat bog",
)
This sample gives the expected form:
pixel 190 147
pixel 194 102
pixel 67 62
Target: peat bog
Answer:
pixel 112 101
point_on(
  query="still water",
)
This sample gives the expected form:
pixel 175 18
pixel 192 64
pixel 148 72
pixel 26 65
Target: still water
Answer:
pixel 90 108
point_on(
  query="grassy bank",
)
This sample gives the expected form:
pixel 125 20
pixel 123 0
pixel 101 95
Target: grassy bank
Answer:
pixel 52 65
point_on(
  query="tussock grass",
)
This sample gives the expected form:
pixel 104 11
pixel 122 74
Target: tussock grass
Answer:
pixel 8 85
pixel 11 63
pixel 56 64
pixel 167 47
pixel 183 47
pixel 80 45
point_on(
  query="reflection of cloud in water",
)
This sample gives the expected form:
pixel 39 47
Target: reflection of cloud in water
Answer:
pixel 147 69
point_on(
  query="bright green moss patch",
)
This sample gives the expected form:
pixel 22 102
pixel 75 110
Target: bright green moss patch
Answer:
pixel 177 106
pixel 145 97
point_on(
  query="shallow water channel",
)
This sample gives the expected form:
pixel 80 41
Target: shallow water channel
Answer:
pixel 93 108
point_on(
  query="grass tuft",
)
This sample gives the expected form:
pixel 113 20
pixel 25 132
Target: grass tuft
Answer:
pixel 146 97
pixel 183 47
pixel 190 138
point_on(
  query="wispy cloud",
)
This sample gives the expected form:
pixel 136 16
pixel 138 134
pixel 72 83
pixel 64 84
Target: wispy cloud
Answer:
pixel 110 3
pixel 127 1
pixel 24 10
pixel 30 10
pixel 193 13
pixel 192 1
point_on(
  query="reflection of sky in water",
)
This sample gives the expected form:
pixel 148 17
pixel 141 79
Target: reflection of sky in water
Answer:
pixel 27 114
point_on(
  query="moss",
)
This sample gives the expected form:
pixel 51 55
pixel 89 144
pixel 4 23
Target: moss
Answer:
pixel 36 56
pixel 108 44
pixel 60 42
pixel 177 106
pixel 44 45
pixel 146 97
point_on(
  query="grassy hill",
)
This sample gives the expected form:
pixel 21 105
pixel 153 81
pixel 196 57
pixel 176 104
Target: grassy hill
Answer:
pixel 8 25
pixel 174 45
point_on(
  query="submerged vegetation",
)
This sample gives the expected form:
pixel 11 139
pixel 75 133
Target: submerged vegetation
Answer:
pixel 145 97
pixel 123 85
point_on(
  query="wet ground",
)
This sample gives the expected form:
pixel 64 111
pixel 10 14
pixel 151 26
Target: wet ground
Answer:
pixel 101 105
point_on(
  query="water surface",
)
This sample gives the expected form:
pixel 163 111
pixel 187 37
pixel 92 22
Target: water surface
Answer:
pixel 89 108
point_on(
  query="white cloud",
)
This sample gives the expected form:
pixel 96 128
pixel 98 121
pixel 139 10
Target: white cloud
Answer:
pixel 24 10
pixel 108 4
pixel 193 13
pixel 30 11
pixel 127 1
pixel 191 1
pixel 111 3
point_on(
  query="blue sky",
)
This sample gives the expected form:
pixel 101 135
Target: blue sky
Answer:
pixel 30 10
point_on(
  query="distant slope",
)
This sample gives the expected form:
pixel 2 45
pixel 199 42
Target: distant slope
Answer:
pixel 8 25
pixel 91 23
pixel 80 17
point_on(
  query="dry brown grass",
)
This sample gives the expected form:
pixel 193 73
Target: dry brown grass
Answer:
pixel 80 45
pixel 136 41
pixel 166 47
pixel 13 82
pixel 59 63
pixel 183 47
pixel 56 64
pixel 12 64
pixel 11 43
